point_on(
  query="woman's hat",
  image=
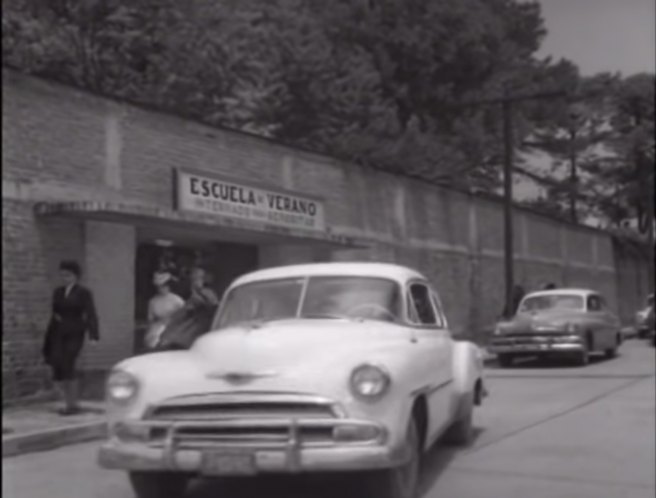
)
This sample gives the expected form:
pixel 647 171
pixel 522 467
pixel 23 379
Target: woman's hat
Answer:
pixel 162 278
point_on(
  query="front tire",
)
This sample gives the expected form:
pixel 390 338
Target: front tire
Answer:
pixel 612 352
pixel 159 484
pixel 399 482
pixel 583 358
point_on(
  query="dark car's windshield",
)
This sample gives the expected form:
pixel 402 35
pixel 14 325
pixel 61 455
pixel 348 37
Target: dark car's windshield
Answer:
pixel 551 302
pixel 314 297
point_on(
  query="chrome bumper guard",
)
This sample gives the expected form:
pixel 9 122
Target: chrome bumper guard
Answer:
pixel 148 455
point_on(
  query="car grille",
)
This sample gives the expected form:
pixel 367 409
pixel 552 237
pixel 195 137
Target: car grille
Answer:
pixel 236 407
pixel 525 339
pixel 207 421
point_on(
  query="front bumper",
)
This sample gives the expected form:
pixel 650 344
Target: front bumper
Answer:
pixel 536 348
pixel 285 456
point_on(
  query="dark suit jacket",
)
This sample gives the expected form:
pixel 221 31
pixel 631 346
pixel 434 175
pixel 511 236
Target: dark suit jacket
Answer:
pixel 72 316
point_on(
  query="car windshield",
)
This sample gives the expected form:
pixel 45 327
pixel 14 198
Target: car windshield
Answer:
pixel 551 302
pixel 324 297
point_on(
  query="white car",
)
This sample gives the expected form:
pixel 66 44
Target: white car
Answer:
pixel 311 368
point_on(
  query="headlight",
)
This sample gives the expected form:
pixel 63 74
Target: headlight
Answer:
pixel 122 386
pixel 370 382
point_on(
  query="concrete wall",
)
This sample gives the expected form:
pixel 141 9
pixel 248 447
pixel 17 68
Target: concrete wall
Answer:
pixel 62 144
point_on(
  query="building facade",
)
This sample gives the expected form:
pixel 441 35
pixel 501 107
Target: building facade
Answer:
pixel 126 191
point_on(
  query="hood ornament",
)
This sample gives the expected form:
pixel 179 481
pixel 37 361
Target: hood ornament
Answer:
pixel 240 377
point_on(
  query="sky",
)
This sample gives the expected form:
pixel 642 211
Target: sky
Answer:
pixel 601 35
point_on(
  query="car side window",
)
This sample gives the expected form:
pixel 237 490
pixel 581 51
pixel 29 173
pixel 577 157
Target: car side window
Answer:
pixel 421 300
pixel 441 318
pixel 412 312
pixel 594 303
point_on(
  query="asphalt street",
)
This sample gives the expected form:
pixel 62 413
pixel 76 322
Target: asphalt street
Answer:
pixel 546 431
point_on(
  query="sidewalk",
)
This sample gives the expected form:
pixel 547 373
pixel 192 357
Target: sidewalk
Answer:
pixel 38 427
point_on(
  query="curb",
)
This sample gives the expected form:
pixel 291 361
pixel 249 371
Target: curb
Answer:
pixel 14 445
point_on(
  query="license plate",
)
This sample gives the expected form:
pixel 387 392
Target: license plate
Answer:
pixel 228 464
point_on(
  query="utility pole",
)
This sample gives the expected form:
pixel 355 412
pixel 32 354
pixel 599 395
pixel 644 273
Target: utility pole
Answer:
pixel 649 185
pixel 506 102
pixel 573 177
pixel 507 203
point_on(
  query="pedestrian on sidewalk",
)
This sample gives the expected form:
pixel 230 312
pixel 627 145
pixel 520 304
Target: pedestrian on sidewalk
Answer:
pixel 161 308
pixel 73 317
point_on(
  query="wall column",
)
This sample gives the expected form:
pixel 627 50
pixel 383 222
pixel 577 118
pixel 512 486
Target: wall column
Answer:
pixel 110 253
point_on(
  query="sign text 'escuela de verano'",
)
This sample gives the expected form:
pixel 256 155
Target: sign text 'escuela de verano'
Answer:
pixel 212 195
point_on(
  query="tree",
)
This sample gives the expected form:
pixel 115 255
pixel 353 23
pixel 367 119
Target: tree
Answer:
pixel 573 132
pixel 633 143
pixel 373 81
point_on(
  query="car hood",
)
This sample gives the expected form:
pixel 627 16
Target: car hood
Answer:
pixel 539 322
pixel 311 356
pixel 285 343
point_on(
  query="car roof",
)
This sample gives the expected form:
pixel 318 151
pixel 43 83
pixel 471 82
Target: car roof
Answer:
pixel 570 291
pixel 398 273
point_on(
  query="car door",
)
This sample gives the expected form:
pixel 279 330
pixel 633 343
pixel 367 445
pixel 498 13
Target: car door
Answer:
pixel 434 354
pixel 611 322
pixel 599 322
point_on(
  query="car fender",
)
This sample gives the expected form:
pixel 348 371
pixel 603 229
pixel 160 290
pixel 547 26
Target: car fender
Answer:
pixel 467 371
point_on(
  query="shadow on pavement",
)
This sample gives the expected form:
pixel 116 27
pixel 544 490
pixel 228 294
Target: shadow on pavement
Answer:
pixel 438 459
pixel 319 485
pixel 301 486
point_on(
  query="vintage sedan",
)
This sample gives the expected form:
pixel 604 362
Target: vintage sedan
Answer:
pixel 570 323
pixel 310 368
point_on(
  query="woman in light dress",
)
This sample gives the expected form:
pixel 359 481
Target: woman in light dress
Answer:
pixel 161 308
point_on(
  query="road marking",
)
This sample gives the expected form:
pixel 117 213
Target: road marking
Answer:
pixel 571 377
pixel 555 416
pixel 599 482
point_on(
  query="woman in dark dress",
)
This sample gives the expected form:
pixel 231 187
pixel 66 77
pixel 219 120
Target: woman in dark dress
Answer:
pixel 195 318
pixel 73 317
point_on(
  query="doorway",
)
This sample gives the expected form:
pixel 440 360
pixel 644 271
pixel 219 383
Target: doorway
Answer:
pixel 223 262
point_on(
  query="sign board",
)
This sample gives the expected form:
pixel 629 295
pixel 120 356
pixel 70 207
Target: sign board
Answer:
pixel 209 194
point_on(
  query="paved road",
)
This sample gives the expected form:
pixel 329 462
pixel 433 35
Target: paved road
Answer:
pixel 546 432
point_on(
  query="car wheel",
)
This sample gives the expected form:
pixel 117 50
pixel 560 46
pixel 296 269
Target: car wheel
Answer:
pixel 611 353
pixel 505 360
pixel 159 484
pixel 583 358
pixel 403 481
pixel 460 433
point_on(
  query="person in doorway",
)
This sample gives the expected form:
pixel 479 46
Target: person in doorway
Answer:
pixel 161 308
pixel 201 295
pixel 73 317
pixel 195 318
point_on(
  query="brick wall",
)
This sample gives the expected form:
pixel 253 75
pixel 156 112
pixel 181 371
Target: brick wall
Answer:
pixel 62 144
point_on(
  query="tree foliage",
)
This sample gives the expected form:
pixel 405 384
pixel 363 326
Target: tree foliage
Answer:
pixel 607 134
pixel 373 81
